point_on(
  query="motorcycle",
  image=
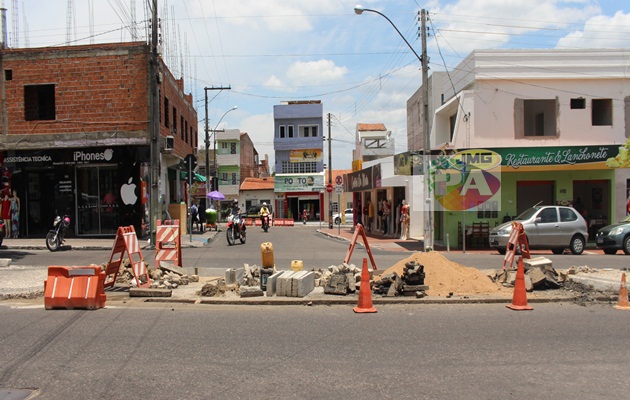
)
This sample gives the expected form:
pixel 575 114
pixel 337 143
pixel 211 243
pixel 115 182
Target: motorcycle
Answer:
pixel 304 217
pixel 235 229
pixel 55 237
pixel 265 222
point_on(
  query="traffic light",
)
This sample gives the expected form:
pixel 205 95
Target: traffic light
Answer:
pixel 191 162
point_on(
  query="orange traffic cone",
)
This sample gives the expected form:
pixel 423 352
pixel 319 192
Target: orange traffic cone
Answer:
pixel 519 300
pixel 365 292
pixel 622 302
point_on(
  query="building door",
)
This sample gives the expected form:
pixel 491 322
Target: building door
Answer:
pixel 97 200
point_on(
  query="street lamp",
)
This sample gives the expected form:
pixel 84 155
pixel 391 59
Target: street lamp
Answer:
pixel 424 60
pixel 215 141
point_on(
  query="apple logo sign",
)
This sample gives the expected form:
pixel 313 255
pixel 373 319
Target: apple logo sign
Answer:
pixel 128 192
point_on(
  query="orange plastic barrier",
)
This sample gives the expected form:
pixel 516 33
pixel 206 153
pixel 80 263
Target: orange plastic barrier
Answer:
pixel 74 287
pixel 127 241
pixel 168 243
pixel 517 238
pixel 359 229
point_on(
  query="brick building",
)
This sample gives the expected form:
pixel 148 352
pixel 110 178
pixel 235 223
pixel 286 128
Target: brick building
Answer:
pixel 77 135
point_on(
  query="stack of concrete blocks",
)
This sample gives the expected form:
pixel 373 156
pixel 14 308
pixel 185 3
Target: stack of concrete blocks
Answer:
pixel 291 283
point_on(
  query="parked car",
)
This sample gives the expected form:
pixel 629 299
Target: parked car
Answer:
pixel 614 237
pixel 546 227
pixel 348 214
pixel 252 211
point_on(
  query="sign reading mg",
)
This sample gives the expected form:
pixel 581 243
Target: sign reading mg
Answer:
pixel 468 181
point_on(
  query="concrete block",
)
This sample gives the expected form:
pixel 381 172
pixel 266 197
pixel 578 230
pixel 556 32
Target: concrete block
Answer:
pixel 536 262
pixel 251 291
pixel 283 285
pixel 5 262
pixel 337 284
pixel 230 276
pixel 537 276
pixel 306 284
pixel 295 279
pixel 272 283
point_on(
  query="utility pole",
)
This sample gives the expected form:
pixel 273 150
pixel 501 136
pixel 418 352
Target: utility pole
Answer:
pixel 154 125
pixel 330 213
pixel 428 206
pixel 207 136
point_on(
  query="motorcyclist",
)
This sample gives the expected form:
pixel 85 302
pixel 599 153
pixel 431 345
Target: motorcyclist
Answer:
pixel 235 211
pixel 264 212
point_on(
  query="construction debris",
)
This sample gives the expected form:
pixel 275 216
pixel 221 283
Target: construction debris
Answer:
pixel 539 275
pixel 411 283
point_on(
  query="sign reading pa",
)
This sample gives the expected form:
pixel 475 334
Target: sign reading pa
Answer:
pixel 467 180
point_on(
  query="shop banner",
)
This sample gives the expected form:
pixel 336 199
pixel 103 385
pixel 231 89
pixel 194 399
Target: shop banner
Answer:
pixel 298 182
pixel 518 157
pixel 360 180
pixel 305 155
pixel 408 163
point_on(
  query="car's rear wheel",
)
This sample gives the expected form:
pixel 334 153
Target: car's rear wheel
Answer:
pixel 577 244
pixel 610 251
pixel 626 245
pixel 337 221
pixel 502 250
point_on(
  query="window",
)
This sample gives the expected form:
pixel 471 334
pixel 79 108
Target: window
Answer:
pixel 232 148
pixel 282 131
pixel 298 167
pixel 578 104
pixel 567 215
pixel 548 215
pixel 166 113
pixel 39 102
pixel 174 121
pixel 290 130
pixel 8 74
pixel 539 118
pixel 308 131
pixel 182 127
pixel 233 178
pixel 602 112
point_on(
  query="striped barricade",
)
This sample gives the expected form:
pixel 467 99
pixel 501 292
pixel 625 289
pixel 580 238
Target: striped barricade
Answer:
pixel 168 242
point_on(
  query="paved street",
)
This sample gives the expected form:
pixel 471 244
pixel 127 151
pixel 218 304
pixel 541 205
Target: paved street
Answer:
pixel 188 351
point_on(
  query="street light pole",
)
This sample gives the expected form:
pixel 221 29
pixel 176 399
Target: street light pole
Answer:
pixel 207 136
pixel 424 61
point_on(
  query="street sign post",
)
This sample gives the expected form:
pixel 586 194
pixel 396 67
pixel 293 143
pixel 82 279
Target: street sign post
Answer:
pixel 329 188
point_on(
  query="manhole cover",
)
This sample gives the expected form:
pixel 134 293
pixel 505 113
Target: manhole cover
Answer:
pixel 16 394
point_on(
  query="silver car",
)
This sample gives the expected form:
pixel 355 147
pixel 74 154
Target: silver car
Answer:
pixel 546 227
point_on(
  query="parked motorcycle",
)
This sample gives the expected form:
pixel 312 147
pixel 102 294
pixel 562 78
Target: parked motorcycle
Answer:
pixel 265 221
pixel 55 237
pixel 236 229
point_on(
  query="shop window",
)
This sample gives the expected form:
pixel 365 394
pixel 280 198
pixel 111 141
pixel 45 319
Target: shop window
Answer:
pixel 539 118
pixel 578 104
pixel 601 112
pixel 39 102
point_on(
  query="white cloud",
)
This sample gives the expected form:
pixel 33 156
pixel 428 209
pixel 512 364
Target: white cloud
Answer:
pixel 273 82
pixel 600 31
pixel 315 72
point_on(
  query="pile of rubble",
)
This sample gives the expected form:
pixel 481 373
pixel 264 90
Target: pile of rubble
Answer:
pixel 166 276
pixel 539 275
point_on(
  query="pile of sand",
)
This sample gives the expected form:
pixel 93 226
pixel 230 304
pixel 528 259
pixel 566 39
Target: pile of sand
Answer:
pixel 444 276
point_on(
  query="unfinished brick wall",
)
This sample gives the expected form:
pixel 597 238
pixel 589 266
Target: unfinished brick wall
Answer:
pixel 97 88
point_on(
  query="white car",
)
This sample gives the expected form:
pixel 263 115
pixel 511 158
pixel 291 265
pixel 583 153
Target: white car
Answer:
pixel 348 216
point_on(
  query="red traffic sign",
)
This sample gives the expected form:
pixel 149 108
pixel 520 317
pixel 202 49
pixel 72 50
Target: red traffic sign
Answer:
pixel 329 188
pixel 338 180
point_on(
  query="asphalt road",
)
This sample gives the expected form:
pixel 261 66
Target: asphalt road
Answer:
pixel 192 351
pixel 297 243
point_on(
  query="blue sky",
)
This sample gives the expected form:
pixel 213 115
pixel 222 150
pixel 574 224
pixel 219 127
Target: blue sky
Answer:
pixel 269 51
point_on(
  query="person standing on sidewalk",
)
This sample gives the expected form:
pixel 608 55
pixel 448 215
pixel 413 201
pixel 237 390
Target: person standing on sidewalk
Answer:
pixel 404 220
pixel 370 216
pixel 386 217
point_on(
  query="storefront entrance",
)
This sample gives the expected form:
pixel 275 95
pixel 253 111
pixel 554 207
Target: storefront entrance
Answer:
pixel 97 210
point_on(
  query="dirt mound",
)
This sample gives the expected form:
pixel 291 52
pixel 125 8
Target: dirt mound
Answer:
pixel 444 276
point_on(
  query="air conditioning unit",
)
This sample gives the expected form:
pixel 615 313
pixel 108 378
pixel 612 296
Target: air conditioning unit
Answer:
pixel 169 144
